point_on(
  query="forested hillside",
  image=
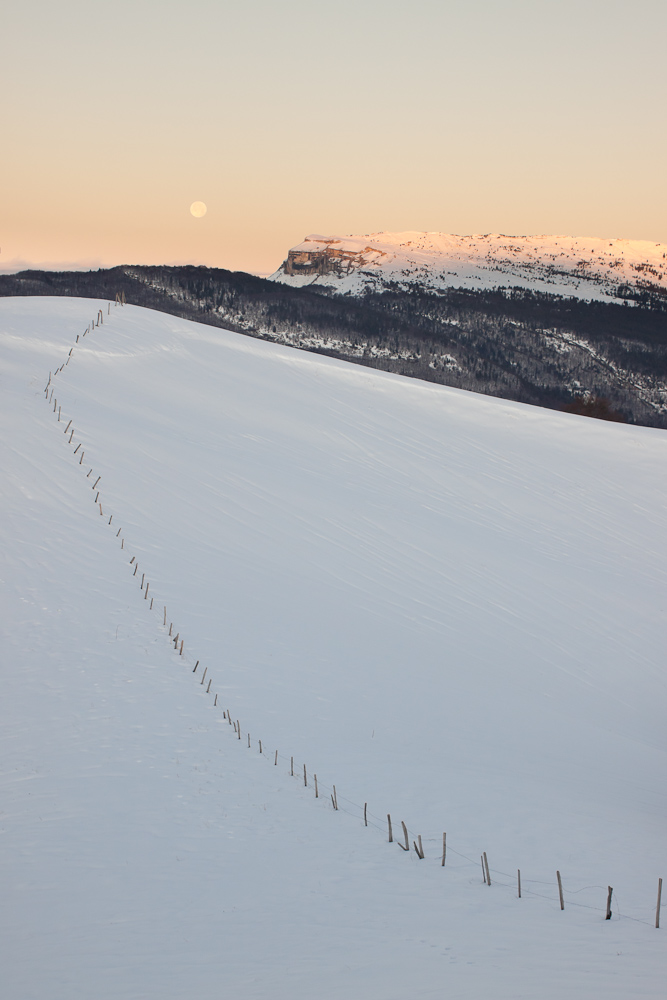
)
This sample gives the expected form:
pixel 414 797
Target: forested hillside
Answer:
pixel 519 344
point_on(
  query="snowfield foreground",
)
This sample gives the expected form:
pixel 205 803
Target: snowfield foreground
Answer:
pixel 448 605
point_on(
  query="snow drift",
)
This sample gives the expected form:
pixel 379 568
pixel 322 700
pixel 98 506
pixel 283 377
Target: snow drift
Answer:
pixel 448 605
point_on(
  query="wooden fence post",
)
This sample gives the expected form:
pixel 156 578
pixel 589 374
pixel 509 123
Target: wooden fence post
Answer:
pixel 444 849
pixel 486 864
pixel 305 779
pixel 481 858
pixel 335 799
pixel 365 816
pixel 291 766
pixel 316 791
pixel 518 879
pixel 276 760
pixel 609 892
pixel 657 909
pixel 391 837
pixel 405 834
pixel 560 891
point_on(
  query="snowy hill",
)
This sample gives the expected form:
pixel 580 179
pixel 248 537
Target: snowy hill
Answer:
pixel 583 267
pixel 448 605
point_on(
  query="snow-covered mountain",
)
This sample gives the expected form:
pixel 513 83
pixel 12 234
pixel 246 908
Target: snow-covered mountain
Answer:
pixel 584 267
pixel 450 606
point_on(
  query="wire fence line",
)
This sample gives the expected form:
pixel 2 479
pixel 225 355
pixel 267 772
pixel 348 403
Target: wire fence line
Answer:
pixel 408 839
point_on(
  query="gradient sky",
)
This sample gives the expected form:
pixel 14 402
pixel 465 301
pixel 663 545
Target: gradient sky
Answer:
pixel 303 116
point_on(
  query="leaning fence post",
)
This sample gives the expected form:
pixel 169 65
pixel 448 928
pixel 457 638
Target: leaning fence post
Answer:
pixel 560 891
pixel 391 838
pixel 335 799
pixel 405 834
pixel 488 876
pixel 316 791
pixel 657 909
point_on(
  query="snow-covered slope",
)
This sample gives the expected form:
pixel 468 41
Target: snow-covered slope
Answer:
pixel 585 267
pixel 449 605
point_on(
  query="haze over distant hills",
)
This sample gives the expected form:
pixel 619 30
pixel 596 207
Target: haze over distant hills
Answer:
pixel 584 267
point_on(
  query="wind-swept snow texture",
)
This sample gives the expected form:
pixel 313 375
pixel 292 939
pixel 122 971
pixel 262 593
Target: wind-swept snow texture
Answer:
pixel 448 605
pixel 583 267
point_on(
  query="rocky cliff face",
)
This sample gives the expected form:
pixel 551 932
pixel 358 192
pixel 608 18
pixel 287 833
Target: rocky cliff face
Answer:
pixel 318 255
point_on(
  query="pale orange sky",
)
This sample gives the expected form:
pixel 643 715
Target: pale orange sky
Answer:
pixel 303 116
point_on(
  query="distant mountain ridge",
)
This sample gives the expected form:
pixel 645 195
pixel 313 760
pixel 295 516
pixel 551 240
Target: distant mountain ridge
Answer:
pixel 589 268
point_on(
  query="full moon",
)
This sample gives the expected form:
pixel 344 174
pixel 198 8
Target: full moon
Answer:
pixel 198 209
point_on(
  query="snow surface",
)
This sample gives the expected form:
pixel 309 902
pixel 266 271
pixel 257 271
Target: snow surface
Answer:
pixel 449 605
pixel 583 267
